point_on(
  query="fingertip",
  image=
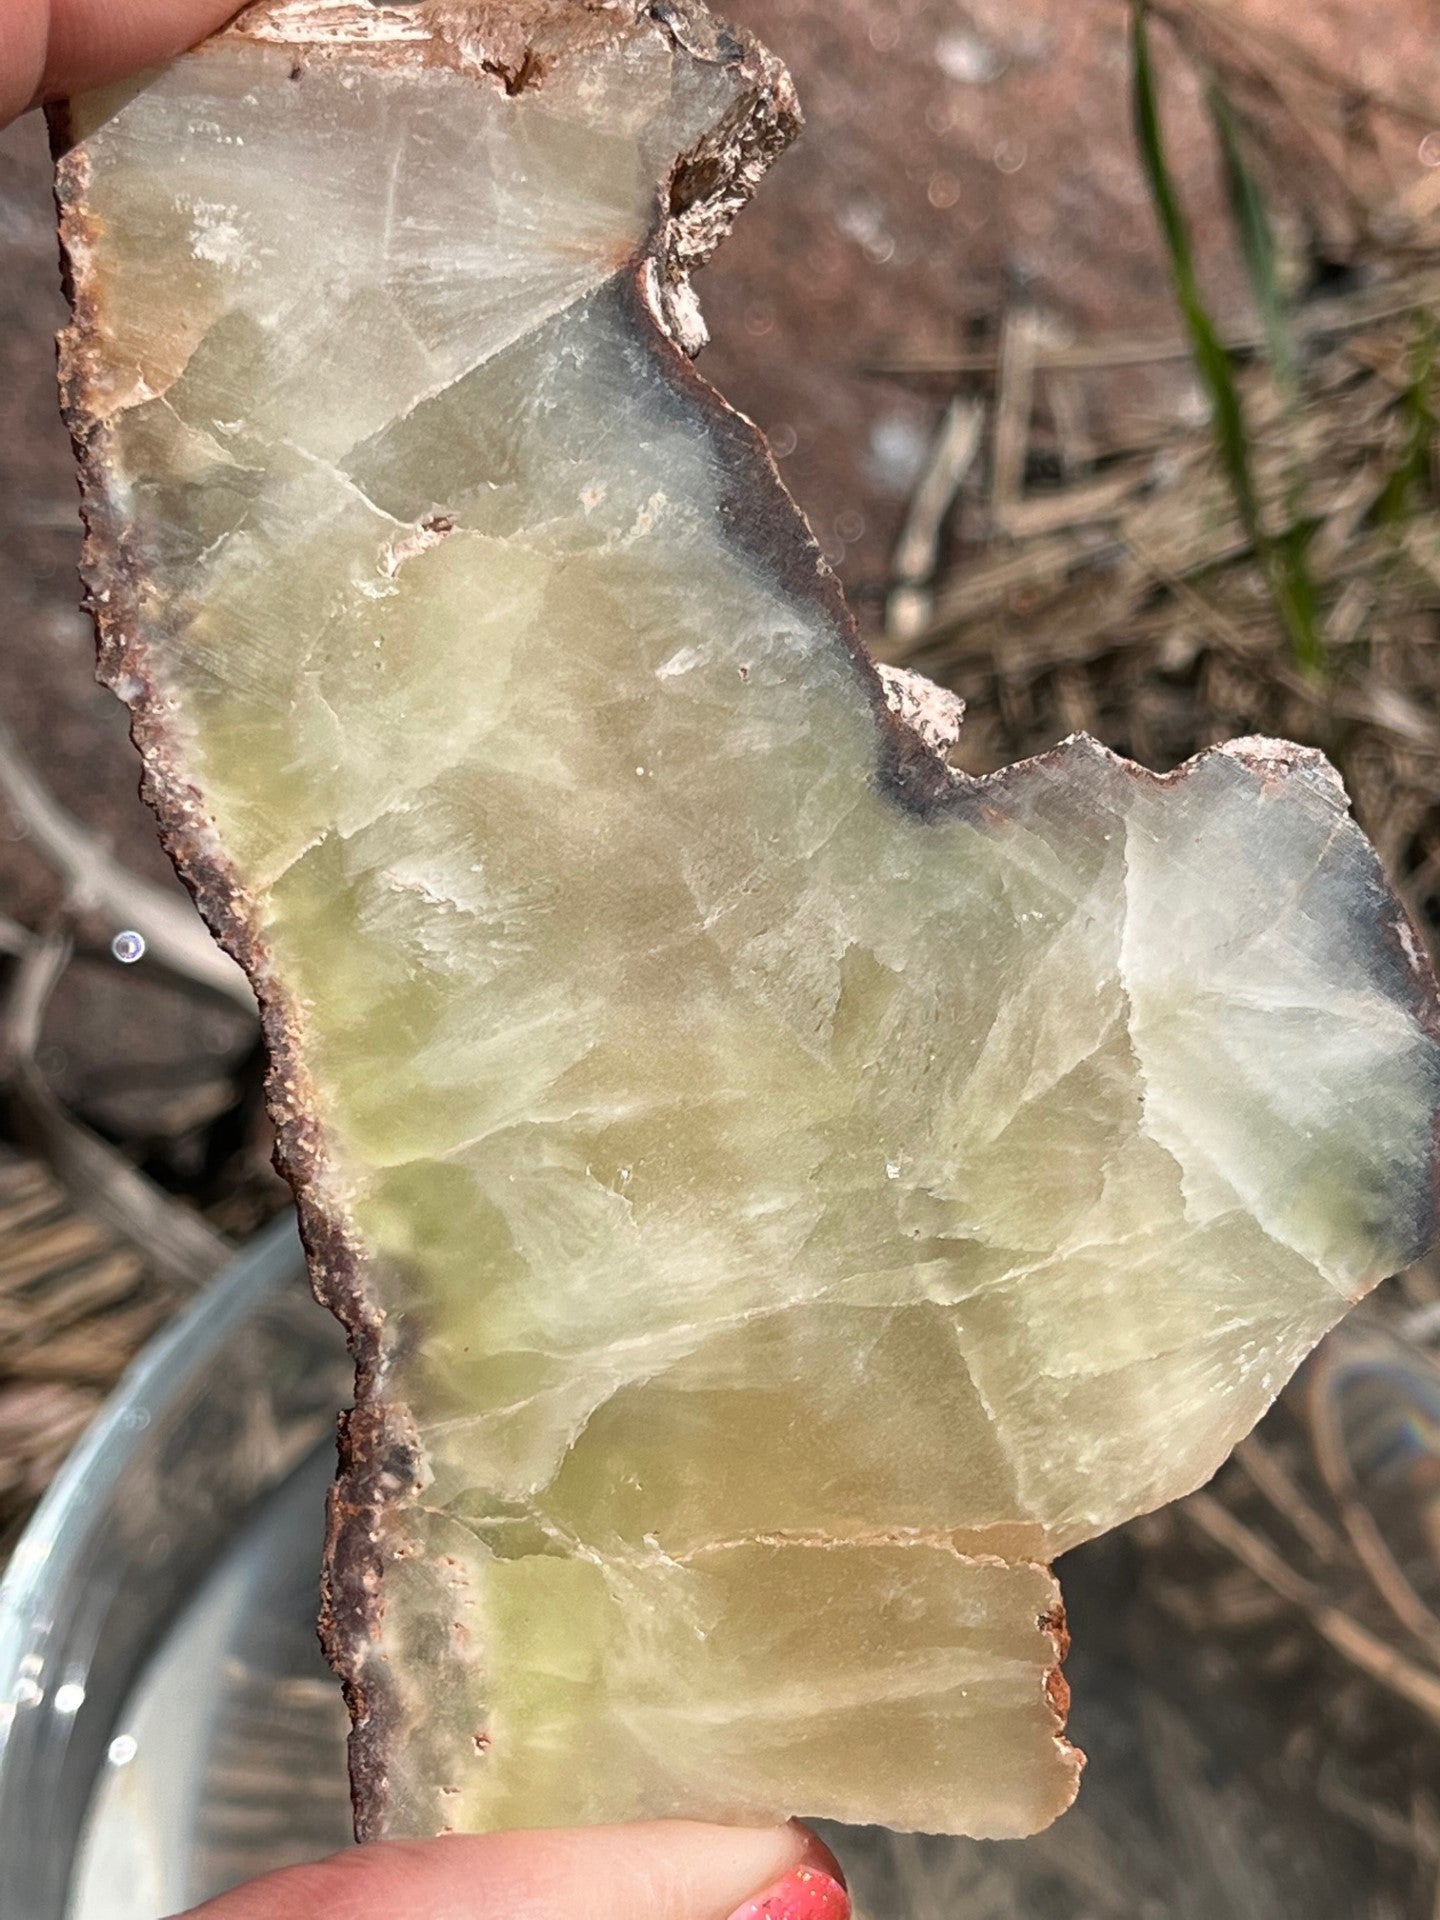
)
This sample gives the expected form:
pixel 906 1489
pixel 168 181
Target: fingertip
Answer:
pixel 22 56
pixel 92 42
pixel 661 1870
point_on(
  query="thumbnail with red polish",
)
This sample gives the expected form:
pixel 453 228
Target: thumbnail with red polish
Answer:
pixel 808 1893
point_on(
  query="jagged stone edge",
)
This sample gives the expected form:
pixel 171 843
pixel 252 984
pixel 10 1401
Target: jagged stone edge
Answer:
pixel 1274 763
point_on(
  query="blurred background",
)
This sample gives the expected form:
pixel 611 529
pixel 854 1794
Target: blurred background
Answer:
pixel 1108 385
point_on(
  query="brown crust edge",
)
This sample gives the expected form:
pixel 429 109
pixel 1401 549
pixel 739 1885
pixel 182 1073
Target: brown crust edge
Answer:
pixel 378 1454
pixel 372 1436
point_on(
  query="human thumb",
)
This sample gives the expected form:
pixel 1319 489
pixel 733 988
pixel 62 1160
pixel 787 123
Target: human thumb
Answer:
pixel 664 1870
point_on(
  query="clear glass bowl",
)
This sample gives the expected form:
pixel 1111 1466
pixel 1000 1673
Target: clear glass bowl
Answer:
pixel 167 1724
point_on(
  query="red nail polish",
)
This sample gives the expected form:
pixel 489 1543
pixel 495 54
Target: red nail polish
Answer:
pixel 808 1893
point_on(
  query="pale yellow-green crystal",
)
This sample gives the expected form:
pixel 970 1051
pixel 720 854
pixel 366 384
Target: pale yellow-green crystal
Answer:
pixel 796 1215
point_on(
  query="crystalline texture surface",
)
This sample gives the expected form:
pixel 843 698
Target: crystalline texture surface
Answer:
pixel 782 1192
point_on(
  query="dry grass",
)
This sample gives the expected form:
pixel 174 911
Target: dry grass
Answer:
pixel 75 1305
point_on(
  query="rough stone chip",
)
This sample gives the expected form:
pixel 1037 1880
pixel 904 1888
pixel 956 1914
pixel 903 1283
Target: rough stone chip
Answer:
pixel 781 1192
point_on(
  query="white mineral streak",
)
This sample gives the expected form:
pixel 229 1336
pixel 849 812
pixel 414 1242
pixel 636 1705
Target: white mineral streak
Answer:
pixel 934 712
pixel 796 1217
pixel 329 23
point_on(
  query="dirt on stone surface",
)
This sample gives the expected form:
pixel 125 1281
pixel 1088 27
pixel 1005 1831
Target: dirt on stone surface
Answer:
pixel 950 311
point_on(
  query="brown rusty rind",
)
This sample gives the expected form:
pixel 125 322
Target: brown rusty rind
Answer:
pixel 709 185
pixel 374 1438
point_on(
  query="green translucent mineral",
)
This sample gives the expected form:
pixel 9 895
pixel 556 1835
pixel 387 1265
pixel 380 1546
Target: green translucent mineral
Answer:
pixel 782 1192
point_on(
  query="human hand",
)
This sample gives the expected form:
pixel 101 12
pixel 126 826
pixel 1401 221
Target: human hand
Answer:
pixel 668 1870
pixel 50 48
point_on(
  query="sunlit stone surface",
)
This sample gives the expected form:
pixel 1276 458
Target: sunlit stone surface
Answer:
pixel 783 1193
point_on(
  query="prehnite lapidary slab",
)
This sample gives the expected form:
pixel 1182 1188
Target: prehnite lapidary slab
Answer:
pixel 781 1192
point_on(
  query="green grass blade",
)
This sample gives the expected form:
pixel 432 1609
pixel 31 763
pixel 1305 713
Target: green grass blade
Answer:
pixel 1285 561
pixel 1257 239
pixel 1296 595
pixel 1211 360
pixel 1411 480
